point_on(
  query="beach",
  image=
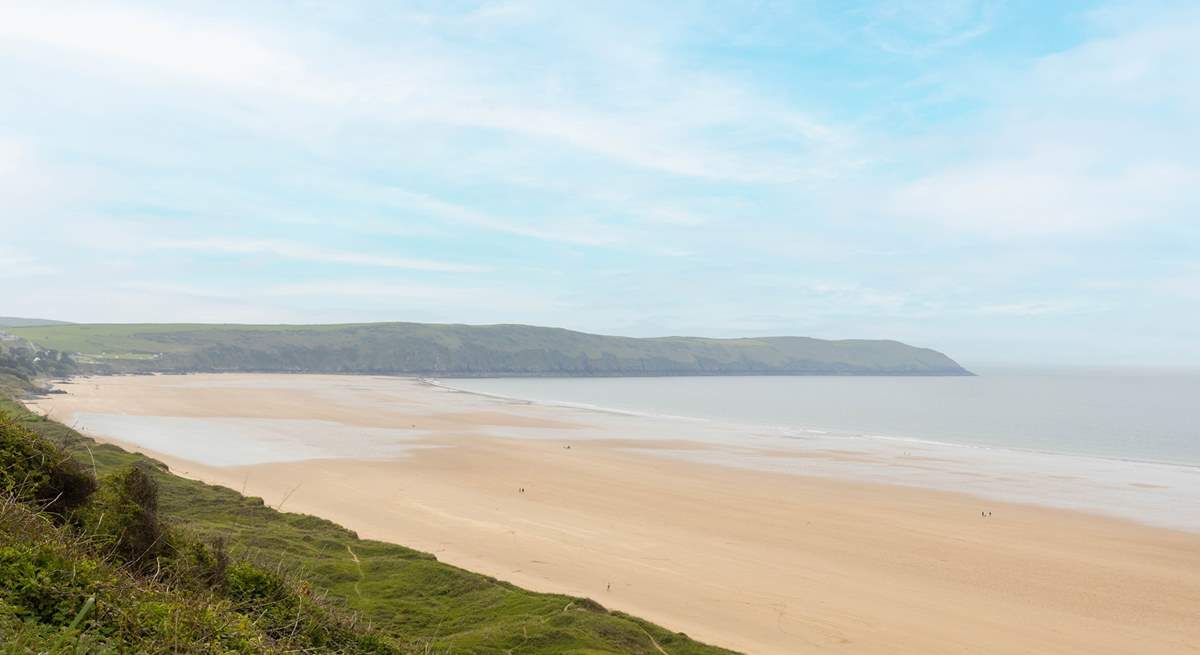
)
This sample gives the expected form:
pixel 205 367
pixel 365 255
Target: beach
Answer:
pixel 633 513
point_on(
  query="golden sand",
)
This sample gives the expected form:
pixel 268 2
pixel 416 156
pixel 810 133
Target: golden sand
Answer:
pixel 759 562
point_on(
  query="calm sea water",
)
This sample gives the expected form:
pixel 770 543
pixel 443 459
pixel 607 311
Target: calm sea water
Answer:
pixel 1143 415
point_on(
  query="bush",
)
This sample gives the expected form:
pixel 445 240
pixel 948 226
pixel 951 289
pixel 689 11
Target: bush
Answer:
pixel 123 518
pixel 200 566
pixel 20 637
pixel 43 584
pixel 48 576
pixel 34 470
pixel 287 612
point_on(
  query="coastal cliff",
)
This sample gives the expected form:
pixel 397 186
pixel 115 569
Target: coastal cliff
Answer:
pixel 467 351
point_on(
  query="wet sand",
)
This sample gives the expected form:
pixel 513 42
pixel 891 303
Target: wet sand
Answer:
pixel 757 561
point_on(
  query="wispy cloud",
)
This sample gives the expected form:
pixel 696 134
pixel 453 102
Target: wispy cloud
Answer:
pixel 16 264
pixel 408 294
pixel 456 213
pixel 1039 308
pixel 919 29
pixel 1087 140
pixel 25 186
pixel 217 53
pixel 668 127
pixel 893 168
pixel 1041 192
pixel 300 251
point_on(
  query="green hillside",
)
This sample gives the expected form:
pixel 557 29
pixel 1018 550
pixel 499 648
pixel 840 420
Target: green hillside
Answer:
pixel 139 560
pixel 467 350
pixel 14 321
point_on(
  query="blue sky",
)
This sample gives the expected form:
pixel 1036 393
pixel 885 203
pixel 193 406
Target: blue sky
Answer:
pixel 1010 182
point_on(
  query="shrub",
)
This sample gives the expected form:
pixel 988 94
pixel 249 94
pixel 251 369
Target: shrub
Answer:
pixel 123 518
pixel 56 596
pixel 199 565
pixel 287 612
pixel 42 583
pixel 21 637
pixel 34 470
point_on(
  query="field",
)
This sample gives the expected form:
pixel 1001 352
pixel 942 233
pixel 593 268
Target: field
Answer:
pixel 135 338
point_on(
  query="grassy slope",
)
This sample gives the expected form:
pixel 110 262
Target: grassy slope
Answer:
pixel 425 603
pixel 87 566
pixel 15 321
pixel 463 349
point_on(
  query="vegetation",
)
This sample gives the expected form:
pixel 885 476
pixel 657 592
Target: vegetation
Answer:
pixel 150 562
pixel 21 359
pixel 106 575
pixel 466 350
pixel 35 471
pixel 13 321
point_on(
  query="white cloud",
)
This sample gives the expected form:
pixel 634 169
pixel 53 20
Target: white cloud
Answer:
pixel 403 300
pixel 25 184
pixel 384 291
pixel 667 215
pixel 1092 138
pixel 217 53
pixel 13 165
pixel 1148 58
pixel 1046 192
pixel 455 213
pixel 450 297
pixel 11 158
pixel 437 125
pixel 79 300
pixel 667 118
pixel 292 250
pixel 15 264
pixel 921 28
pixel 1037 308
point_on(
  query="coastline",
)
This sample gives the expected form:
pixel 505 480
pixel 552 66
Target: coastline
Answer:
pixel 965 436
pixel 763 561
pixel 438 383
pixel 1148 491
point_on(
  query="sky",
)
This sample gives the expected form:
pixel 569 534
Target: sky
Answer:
pixel 1010 182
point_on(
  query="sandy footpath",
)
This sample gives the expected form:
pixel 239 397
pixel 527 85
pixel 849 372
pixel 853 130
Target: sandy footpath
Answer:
pixel 760 562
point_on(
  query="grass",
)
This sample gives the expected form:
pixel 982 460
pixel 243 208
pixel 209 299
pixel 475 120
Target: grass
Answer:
pixel 105 574
pixel 425 605
pixel 99 357
pixel 143 338
pixel 467 350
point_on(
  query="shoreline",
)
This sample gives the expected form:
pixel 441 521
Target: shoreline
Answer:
pixel 1152 493
pixel 1053 477
pixel 438 384
pixel 766 562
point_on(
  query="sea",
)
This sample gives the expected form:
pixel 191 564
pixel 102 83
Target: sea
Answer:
pixel 1114 441
pixel 1136 414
